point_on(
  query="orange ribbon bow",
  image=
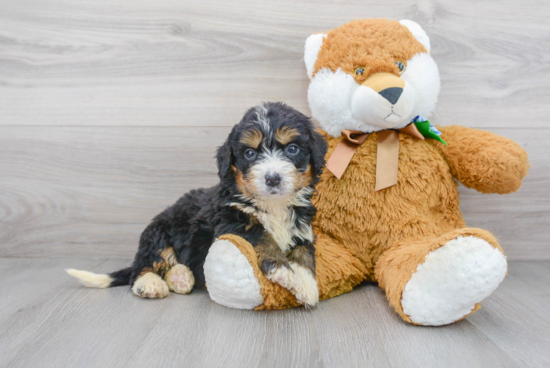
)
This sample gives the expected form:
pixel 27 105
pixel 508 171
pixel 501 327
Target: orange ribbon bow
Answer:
pixel 387 153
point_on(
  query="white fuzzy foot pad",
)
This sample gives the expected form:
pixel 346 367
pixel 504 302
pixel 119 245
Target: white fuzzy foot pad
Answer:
pixel 180 279
pixel 230 278
pixel 299 281
pixel 452 280
pixel 151 286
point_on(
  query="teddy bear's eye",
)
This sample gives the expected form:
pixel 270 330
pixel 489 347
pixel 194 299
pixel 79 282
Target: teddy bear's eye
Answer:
pixel 401 65
pixel 359 71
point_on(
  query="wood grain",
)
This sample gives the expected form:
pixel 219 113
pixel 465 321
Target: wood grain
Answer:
pixel 48 320
pixel 109 111
pixel 90 191
pixel 189 63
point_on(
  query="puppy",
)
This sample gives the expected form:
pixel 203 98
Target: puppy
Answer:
pixel 268 167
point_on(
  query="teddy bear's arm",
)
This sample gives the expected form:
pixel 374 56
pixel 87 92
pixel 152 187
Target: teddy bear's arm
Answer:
pixel 483 160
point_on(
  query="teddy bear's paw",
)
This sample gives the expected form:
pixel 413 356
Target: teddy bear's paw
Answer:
pixel 150 286
pixel 452 280
pixel 299 281
pixel 180 279
pixel 230 278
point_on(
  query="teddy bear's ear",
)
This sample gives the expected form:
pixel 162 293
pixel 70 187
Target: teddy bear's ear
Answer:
pixel 311 50
pixel 417 32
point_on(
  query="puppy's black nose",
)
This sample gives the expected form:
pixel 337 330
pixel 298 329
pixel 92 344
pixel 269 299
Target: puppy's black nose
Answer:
pixel 391 94
pixel 272 180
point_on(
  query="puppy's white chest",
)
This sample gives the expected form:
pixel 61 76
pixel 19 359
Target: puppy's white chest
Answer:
pixel 279 220
pixel 279 223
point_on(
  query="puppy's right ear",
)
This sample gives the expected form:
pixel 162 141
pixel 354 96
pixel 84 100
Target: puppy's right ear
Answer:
pixel 223 158
pixel 319 148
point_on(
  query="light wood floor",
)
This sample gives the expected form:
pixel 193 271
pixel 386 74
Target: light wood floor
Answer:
pixel 49 320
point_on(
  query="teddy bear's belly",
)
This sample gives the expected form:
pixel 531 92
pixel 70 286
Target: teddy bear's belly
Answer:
pixel 424 203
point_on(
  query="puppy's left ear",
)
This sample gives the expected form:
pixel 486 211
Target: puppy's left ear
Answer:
pixel 223 160
pixel 318 150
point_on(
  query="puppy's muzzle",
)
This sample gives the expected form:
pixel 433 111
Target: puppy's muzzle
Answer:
pixel 272 180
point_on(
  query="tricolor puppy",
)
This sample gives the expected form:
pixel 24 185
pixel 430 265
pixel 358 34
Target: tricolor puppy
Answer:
pixel 268 168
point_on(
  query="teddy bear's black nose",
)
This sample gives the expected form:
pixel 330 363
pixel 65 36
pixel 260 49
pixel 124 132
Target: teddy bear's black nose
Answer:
pixel 391 94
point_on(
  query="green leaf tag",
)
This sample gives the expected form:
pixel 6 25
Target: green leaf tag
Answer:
pixel 427 129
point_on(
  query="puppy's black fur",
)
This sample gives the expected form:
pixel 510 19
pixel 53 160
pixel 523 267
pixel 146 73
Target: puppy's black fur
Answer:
pixel 195 220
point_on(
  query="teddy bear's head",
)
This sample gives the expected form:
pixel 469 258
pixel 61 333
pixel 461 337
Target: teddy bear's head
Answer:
pixel 370 75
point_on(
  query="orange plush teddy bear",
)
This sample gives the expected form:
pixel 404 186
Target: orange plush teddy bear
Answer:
pixel 388 206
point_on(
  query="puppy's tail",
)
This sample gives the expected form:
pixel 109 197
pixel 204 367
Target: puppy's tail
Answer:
pixel 102 281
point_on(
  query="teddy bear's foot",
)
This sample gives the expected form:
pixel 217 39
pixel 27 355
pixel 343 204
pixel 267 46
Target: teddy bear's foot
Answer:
pixel 230 278
pixel 447 286
pixel 299 281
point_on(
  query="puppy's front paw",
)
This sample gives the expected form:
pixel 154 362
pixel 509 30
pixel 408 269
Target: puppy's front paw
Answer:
pixel 150 285
pixel 305 286
pixel 299 280
pixel 180 279
pixel 281 275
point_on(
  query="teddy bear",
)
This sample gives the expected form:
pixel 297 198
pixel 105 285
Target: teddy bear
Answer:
pixel 387 203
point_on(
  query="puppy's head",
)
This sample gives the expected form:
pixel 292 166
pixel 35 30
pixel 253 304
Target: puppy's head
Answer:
pixel 272 153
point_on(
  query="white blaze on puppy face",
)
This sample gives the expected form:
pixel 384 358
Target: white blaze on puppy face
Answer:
pixel 261 118
pixel 338 102
pixel 271 162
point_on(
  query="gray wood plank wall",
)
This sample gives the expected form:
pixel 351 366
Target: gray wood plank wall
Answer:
pixel 111 110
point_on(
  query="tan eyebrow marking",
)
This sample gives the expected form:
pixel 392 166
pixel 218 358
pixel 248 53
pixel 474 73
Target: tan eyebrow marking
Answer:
pixel 285 134
pixel 252 138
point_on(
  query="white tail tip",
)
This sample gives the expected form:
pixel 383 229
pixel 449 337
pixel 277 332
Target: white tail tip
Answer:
pixel 90 279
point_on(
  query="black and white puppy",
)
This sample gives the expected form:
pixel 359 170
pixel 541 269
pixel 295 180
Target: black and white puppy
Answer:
pixel 268 168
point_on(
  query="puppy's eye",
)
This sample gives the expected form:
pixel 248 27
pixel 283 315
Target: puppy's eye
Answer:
pixel 359 71
pixel 250 154
pixel 292 150
pixel 401 65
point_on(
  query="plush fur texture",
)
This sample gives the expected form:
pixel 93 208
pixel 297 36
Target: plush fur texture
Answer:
pixel 434 297
pixel 376 44
pixel 396 267
pixel 232 284
pixel 340 94
pixel 311 49
pixel 268 169
pixel 415 226
pixel 242 289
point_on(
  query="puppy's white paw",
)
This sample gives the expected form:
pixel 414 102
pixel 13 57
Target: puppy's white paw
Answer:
pixel 180 279
pixel 282 276
pixel 305 286
pixel 299 280
pixel 151 286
